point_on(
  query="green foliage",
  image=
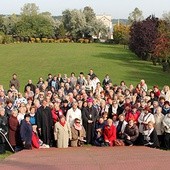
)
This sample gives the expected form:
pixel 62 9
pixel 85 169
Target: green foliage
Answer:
pixel 44 58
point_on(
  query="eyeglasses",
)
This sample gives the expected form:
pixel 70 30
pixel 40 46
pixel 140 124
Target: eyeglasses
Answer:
pixel 77 122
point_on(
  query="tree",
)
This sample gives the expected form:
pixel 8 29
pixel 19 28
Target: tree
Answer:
pixel 142 36
pixel 135 16
pixel 89 14
pixel 121 33
pixel 29 9
pixel 74 22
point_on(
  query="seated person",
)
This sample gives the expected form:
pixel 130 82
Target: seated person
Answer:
pixel 109 133
pixel 78 133
pixel 98 132
pixel 36 141
pixel 121 124
pixel 131 133
pixel 150 136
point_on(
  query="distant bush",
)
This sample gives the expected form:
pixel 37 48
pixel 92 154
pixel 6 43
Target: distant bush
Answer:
pixel 7 39
pixel 81 40
pixel 44 40
pixel 37 40
pixel 66 40
pixel 32 40
pixel 86 40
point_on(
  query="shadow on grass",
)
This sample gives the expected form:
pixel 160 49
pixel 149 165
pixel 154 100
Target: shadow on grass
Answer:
pixel 135 68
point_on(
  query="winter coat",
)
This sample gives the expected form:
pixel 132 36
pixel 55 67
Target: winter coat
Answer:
pixel 158 123
pixel 14 134
pixel 62 134
pixel 166 123
pixel 133 132
pixel 76 134
pixel 110 134
pixel 26 132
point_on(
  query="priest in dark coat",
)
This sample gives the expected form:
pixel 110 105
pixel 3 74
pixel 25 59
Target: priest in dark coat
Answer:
pixel 89 115
pixel 44 123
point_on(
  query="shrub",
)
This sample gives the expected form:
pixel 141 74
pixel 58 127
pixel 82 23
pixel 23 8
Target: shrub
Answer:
pixel 1 39
pixel 81 40
pixel 86 40
pixel 32 40
pixel 51 40
pixel 66 40
pixel 44 40
pixel 7 39
pixel 37 40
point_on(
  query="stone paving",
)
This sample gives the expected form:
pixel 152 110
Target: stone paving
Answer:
pixel 90 158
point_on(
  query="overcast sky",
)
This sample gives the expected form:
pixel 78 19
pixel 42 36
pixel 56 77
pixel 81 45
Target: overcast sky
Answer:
pixel 115 8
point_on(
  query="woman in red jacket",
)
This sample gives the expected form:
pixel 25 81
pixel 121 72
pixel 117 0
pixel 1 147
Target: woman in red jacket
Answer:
pixel 109 133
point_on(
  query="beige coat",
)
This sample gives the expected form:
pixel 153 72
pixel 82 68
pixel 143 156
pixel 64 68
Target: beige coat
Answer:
pixel 62 135
pixel 158 123
pixel 75 135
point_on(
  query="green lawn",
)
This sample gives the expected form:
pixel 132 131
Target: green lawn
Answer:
pixel 30 61
pixel 3 156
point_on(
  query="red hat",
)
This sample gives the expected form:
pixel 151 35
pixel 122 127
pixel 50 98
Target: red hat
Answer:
pixel 89 100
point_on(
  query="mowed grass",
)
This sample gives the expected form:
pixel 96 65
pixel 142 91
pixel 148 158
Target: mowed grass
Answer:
pixel 31 61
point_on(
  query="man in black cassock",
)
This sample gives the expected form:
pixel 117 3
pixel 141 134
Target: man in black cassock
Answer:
pixel 89 116
pixel 44 123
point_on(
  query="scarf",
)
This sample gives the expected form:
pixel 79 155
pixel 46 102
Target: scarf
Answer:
pixel 77 127
pixel 62 123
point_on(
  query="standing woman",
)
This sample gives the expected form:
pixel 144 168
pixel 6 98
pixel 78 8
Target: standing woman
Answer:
pixel 62 133
pixel 166 123
pixel 26 132
pixel 14 134
pixel 143 120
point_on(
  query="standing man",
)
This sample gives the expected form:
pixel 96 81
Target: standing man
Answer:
pixel 14 81
pixel 44 123
pixel 73 113
pixel 89 115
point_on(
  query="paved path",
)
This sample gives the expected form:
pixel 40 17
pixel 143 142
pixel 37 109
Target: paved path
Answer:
pixel 90 158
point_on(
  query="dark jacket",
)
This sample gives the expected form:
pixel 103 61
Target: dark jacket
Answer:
pixel 26 132
pixel 133 132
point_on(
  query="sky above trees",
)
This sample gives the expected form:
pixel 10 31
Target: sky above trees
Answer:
pixel 115 8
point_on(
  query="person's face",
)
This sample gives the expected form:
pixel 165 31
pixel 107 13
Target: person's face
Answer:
pixel 89 104
pixel 2 112
pixel 27 119
pixel 15 114
pixel 109 122
pixel 62 119
pixel 14 76
pixel 121 118
pixel 101 120
pixel 131 122
pixel 150 126
pixel 33 110
pixel 75 106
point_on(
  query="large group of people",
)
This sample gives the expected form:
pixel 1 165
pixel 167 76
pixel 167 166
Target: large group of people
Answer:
pixel 62 111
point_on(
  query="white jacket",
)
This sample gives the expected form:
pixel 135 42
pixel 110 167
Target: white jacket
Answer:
pixel 71 115
pixel 145 118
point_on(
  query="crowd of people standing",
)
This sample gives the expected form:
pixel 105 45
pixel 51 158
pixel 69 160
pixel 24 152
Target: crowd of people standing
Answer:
pixel 64 111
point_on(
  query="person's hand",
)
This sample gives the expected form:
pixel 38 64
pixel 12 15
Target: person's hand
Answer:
pixel 90 121
pixel 128 137
pixel 107 141
pixel 23 143
pixel 39 130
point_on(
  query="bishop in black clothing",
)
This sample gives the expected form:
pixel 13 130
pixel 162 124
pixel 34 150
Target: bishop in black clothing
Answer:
pixel 89 115
pixel 44 123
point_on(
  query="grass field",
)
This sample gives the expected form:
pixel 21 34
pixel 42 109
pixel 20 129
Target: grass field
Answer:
pixel 30 61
